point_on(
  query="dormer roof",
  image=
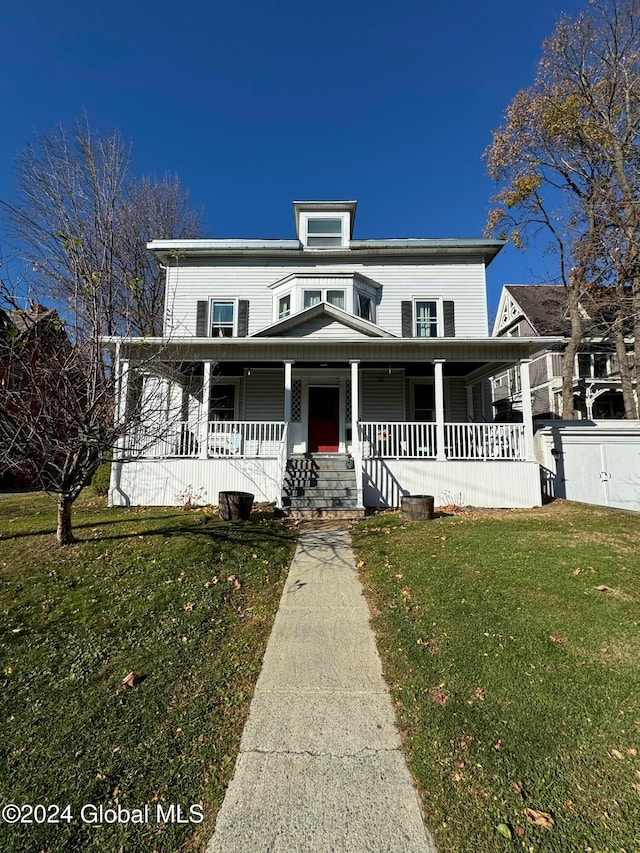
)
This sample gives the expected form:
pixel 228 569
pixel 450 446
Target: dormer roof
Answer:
pixel 324 207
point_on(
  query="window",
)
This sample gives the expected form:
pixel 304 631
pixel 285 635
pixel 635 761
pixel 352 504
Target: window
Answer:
pixel 284 306
pixel 323 232
pixel 222 402
pixel 426 320
pixel 593 365
pixel 222 320
pixel 363 306
pixel 312 297
pixel 423 402
pixel 600 366
pixel 336 297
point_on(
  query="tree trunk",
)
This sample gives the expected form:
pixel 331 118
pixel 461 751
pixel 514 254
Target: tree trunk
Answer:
pixel 573 298
pixel 64 533
pixel 630 410
pixel 636 334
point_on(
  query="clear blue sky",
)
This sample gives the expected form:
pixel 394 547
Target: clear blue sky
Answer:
pixel 256 104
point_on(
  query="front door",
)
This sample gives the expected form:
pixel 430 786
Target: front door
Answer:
pixel 324 420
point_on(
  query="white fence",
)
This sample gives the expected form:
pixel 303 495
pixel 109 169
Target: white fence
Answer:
pixel 417 440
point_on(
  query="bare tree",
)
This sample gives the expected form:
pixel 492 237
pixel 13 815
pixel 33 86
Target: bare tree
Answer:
pixel 83 225
pixel 567 158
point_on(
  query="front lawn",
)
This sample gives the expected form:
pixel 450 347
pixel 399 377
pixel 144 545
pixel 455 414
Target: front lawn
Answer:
pixel 182 600
pixel 511 642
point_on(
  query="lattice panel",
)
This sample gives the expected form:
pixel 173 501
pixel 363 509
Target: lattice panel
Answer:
pixel 296 401
pixel 347 404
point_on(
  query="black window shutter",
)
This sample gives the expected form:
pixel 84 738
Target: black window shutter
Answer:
pixel 243 318
pixel 449 317
pixel 202 309
pixel 407 319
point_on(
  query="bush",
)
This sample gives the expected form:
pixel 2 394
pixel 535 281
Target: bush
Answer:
pixel 100 480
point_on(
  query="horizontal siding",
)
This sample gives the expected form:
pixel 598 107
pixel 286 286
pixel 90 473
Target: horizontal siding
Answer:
pixel 444 279
pixel 382 396
pixel 455 401
pixel 264 396
pixel 320 327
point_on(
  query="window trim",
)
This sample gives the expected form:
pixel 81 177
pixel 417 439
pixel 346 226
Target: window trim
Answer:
pixel 234 324
pixel 279 314
pixel 309 216
pixel 437 301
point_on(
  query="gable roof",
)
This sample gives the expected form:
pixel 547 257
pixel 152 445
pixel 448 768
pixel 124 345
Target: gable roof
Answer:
pixel 328 313
pixel 544 306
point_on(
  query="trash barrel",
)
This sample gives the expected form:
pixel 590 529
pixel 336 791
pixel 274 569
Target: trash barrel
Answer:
pixel 235 506
pixel 417 507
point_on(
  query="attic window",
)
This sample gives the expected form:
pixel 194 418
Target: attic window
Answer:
pixel 324 232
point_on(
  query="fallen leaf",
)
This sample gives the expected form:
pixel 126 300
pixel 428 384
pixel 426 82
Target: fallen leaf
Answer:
pixel 603 588
pixel 504 830
pixel 538 818
pixel 636 787
pixel 130 680
pixel 632 751
pixel 615 753
pixel 557 638
pixel 517 787
pixel 519 830
pixel 577 571
pixel 189 607
pixel 359 564
pixel 479 694
pixel 498 745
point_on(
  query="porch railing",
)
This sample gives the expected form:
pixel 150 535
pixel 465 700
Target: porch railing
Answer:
pixel 225 439
pixel 396 439
pixel 417 440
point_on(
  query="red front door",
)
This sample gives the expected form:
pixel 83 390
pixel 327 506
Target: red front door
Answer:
pixel 324 420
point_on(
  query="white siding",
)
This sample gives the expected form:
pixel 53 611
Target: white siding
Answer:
pixel 456 401
pixel 489 484
pixel 382 395
pixel 462 281
pixel 320 327
pixel 167 482
pixel 264 396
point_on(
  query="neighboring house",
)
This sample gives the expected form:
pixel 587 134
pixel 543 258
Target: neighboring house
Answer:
pixel 26 338
pixel 528 310
pixel 323 373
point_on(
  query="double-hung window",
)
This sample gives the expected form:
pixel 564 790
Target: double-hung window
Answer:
pixel 324 232
pixel 284 306
pixel 222 319
pixel 426 319
pixel 333 297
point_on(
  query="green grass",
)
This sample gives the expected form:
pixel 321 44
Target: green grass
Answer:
pixel 180 598
pixel 516 680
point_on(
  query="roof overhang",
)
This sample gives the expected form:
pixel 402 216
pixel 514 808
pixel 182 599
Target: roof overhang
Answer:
pixel 496 352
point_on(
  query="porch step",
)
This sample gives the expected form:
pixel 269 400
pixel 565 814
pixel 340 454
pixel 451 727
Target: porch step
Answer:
pixel 345 514
pixel 319 483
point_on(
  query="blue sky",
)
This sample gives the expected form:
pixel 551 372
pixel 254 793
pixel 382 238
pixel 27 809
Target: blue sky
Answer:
pixel 254 104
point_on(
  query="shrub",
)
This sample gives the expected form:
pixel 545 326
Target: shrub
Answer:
pixel 100 480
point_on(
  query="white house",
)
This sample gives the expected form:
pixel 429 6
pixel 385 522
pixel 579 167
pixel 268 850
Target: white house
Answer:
pixel 323 373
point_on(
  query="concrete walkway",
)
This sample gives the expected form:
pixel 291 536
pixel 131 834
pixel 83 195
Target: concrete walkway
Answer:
pixel 320 767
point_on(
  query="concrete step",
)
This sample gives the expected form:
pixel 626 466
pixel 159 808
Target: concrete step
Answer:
pixel 327 512
pixel 325 494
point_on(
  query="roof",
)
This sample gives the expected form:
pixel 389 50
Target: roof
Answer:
pixel 545 307
pixel 23 320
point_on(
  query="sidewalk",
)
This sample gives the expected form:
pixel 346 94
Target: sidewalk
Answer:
pixel 320 767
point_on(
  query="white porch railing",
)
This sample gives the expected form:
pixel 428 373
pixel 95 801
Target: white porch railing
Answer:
pixel 410 440
pixel 417 440
pixel 225 439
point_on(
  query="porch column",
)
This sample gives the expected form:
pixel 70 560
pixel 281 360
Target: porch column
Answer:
pixel 527 409
pixel 356 450
pixel 287 391
pixel 204 411
pixel 441 456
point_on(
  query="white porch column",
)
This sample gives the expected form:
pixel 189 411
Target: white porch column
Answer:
pixel 527 409
pixel 356 450
pixel 287 391
pixel 204 410
pixel 439 389
pixel 470 413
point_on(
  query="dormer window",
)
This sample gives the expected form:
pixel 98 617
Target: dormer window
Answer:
pixel 324 224
pixel 322 233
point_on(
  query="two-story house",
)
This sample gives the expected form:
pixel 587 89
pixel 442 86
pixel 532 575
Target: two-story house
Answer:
pixel 539 309
pixel 323 373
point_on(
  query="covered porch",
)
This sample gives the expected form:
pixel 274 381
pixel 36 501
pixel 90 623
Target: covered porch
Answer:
pixel 409 416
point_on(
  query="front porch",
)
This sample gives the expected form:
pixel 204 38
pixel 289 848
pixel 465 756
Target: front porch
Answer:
pixel 406 425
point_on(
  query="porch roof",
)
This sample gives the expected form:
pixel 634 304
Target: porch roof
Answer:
pixel 496 352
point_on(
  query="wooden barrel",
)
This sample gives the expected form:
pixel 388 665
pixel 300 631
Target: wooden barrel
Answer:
pixel 235 506
pixel 417 507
